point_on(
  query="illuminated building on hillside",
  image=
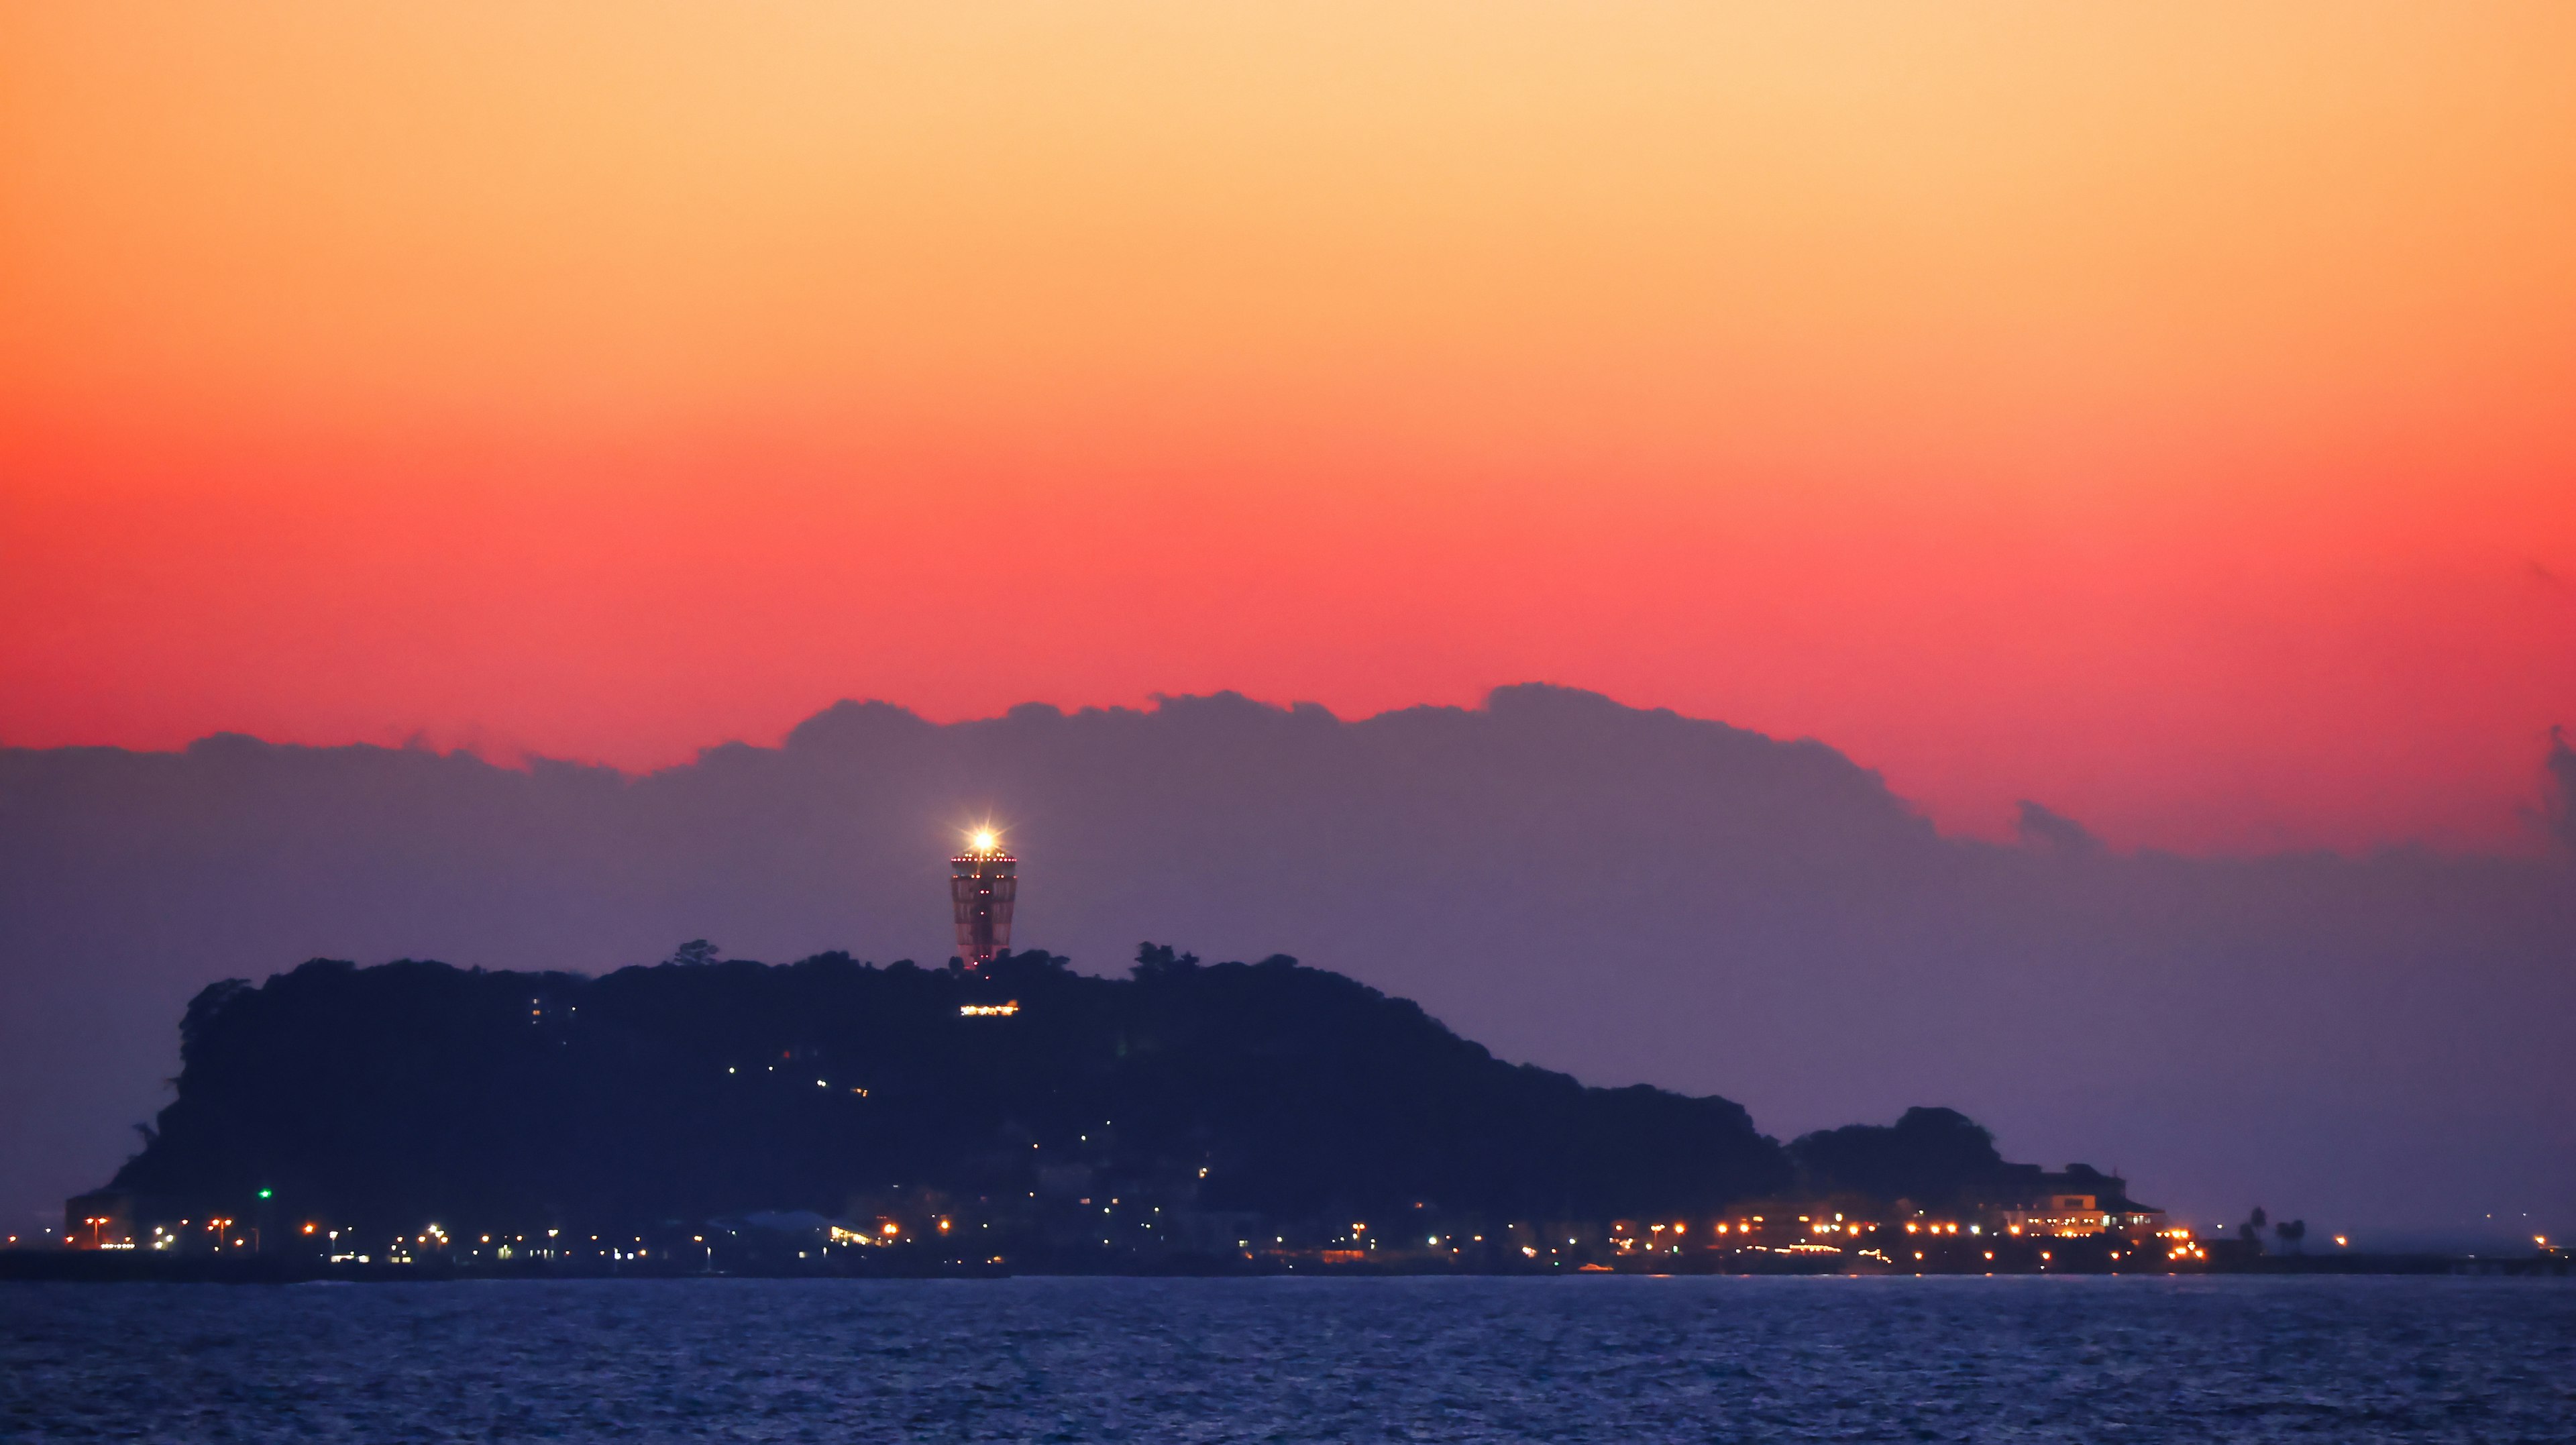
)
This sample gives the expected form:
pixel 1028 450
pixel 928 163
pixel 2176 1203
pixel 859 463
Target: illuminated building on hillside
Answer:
pixel 982 882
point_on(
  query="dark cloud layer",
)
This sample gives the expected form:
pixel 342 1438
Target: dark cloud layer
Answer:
pixel 1628 895
pixel 2047 829
pixel 2562 777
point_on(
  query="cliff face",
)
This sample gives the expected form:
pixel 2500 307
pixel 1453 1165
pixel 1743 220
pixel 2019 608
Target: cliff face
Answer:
pixel 417 1090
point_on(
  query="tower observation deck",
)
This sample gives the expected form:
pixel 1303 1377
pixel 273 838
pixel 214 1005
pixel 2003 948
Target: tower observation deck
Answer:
pixel 982 882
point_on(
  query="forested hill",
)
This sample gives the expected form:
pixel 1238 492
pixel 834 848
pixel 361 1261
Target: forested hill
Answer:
pixel 692 1090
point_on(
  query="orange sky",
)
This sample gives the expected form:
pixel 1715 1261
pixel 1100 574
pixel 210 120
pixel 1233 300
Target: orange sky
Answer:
pixel 2163 410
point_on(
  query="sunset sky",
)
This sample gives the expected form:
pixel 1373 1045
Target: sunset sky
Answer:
pixel 2165 411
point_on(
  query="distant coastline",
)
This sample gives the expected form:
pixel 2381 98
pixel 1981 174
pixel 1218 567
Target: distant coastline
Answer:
pixel 833 1118
pixel 81 1266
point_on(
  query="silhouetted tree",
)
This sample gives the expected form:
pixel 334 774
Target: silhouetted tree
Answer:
pixel 2291 1232
pixel 1154 960
pixel 695 951
pixel 2251 1231
pixel 1931 1156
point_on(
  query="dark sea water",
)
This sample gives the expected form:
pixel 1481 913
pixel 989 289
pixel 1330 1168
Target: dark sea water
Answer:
pixel 1627 1359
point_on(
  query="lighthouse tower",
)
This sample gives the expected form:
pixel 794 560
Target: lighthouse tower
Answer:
pixel 982 882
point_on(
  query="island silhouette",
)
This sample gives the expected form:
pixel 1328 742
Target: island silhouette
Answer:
pixel 706 1110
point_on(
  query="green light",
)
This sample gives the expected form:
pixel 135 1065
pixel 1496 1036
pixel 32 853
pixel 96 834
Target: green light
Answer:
pixel 265 1193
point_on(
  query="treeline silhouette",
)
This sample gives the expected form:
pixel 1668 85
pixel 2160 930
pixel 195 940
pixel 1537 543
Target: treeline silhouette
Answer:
pixel 702 1088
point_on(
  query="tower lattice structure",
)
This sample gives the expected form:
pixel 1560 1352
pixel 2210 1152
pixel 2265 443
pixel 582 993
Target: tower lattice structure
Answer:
pixel 982 883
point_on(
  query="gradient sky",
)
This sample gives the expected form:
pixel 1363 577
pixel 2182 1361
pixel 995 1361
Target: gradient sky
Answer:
pixel 2163 410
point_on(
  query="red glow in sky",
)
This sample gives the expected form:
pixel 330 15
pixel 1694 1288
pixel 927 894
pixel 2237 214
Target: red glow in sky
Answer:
pixel 2161 411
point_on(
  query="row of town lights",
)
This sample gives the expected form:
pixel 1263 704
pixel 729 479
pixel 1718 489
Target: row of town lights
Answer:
pixel 434 1232
pixel 436 1235
pixel 2182 1243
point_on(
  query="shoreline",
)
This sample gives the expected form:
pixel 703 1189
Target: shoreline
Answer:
pixel 94 1267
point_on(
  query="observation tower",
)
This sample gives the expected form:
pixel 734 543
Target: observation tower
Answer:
pixel 982 882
